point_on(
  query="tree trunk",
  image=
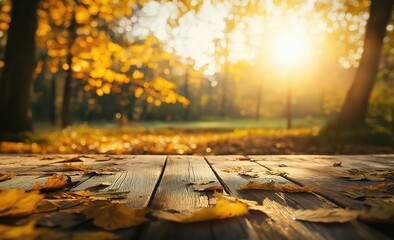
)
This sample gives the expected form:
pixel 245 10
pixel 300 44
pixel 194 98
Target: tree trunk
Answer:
pixel 18 70
pixel 52 103
pixel 355 107
pixel 186 112
pixel 66 110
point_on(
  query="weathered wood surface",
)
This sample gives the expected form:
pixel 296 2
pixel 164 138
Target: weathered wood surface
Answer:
pixel 163 183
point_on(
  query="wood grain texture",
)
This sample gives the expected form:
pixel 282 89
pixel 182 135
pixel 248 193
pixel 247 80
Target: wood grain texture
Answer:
pixel 140 177
pixel 318 172
pixel 282 205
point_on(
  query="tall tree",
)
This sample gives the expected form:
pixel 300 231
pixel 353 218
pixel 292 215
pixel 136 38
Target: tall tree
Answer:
pixel 19 59
pixel 355 107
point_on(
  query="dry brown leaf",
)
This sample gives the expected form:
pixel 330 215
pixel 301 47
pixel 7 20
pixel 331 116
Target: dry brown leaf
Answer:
pixel 277 173
pixel 116 216
pixel 105 195
pixel 17 202
pixel 224 208
pixel 378 190
pixel 269 186
pixel 96 235
pixel 56 182
pixel 104 171
pixel 324 215
pixel 6 176
pixel 48 158
pixel 337 164
pixel 102 184
pixel 80 167
pixel 370 175
pixel 282 165
pixel 208 188
pixel 17 232
pixel 272 186
pixel 73 159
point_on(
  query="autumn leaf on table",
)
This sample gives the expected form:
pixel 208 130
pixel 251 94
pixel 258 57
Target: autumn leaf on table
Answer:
pixel 202 188
pixel 324 215
pixel 17 202
pixel 80 167
pixel 72 195
pixel 73 159
pixel 56 182
pixel 337 164
pixel 6 176
pixel 277 173
pixel 378 190
pixel 370 175
pixel 104 171
pixel 201 182
pixel 115 216
pixel 224 208
pixel 272 186
pixel 382 210
pixel 49 205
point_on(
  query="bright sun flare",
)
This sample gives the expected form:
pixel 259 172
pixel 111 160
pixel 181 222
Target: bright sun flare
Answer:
pixel 290 48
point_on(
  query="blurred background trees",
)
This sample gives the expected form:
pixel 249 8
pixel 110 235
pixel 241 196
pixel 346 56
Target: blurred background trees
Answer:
pixel 136 60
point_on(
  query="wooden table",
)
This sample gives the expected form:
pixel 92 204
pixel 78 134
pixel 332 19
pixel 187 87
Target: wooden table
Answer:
pixel 162 182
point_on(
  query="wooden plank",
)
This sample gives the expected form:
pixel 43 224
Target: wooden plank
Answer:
pixel 140 177
pixel 318 172
pixel 177 194
pixel 281 205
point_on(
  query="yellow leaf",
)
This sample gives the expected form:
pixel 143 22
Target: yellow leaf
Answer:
pixel 325 215
pixel 79 167
pixel 271 186
pixel 224 208
pixel 382 210
pixel 17 202
pixel 17 232
pixel 6 176
pixel 115 216
pixel 200 188
pixel 378 190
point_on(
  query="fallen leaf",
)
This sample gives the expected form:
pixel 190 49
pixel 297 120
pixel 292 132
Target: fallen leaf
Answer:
pixel 249 203
pixel 104 195
pixel 73 159
pixel 6 176
pixel 378 190
pixel 17 202
pixel 56 182
pixel 272 186
pixel 242 158
pixel 370 175
pixel 337 164
pixel 102 184
pixel 96 235
pixel 201 182
pixel 116 216
pixel 277 173
pixel 104 171
pixel 282 165
pixel 17 232
pixel 48 158
pixel 324 215
pixel 224 208
pixel 208 188
pixel 269 186
pixel 61 219
pixel 72 167
pixel 249 174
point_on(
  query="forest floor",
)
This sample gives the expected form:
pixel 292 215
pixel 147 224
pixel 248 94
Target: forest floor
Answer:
pixel 202 138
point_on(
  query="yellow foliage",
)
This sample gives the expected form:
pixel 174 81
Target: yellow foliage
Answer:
pixel 17 232
pixel 17 202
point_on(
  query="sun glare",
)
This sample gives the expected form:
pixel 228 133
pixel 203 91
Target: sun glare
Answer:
pixel 290 48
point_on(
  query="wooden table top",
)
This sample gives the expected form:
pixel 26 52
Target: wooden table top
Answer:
pixel 163 182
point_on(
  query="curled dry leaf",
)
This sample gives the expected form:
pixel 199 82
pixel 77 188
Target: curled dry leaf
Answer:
pixel 324 215
pixel 208 188
pixel 56 182
pixel 378 190
pixel 6 176
pixel 224 208
pixel 80 167
pixel 17 202
pixel 337 164
pixel 272 186
pixel 96 235
pixel 73 159
pixel 102 184
pixel 370 175
pixel 115 216
pixel 17 232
